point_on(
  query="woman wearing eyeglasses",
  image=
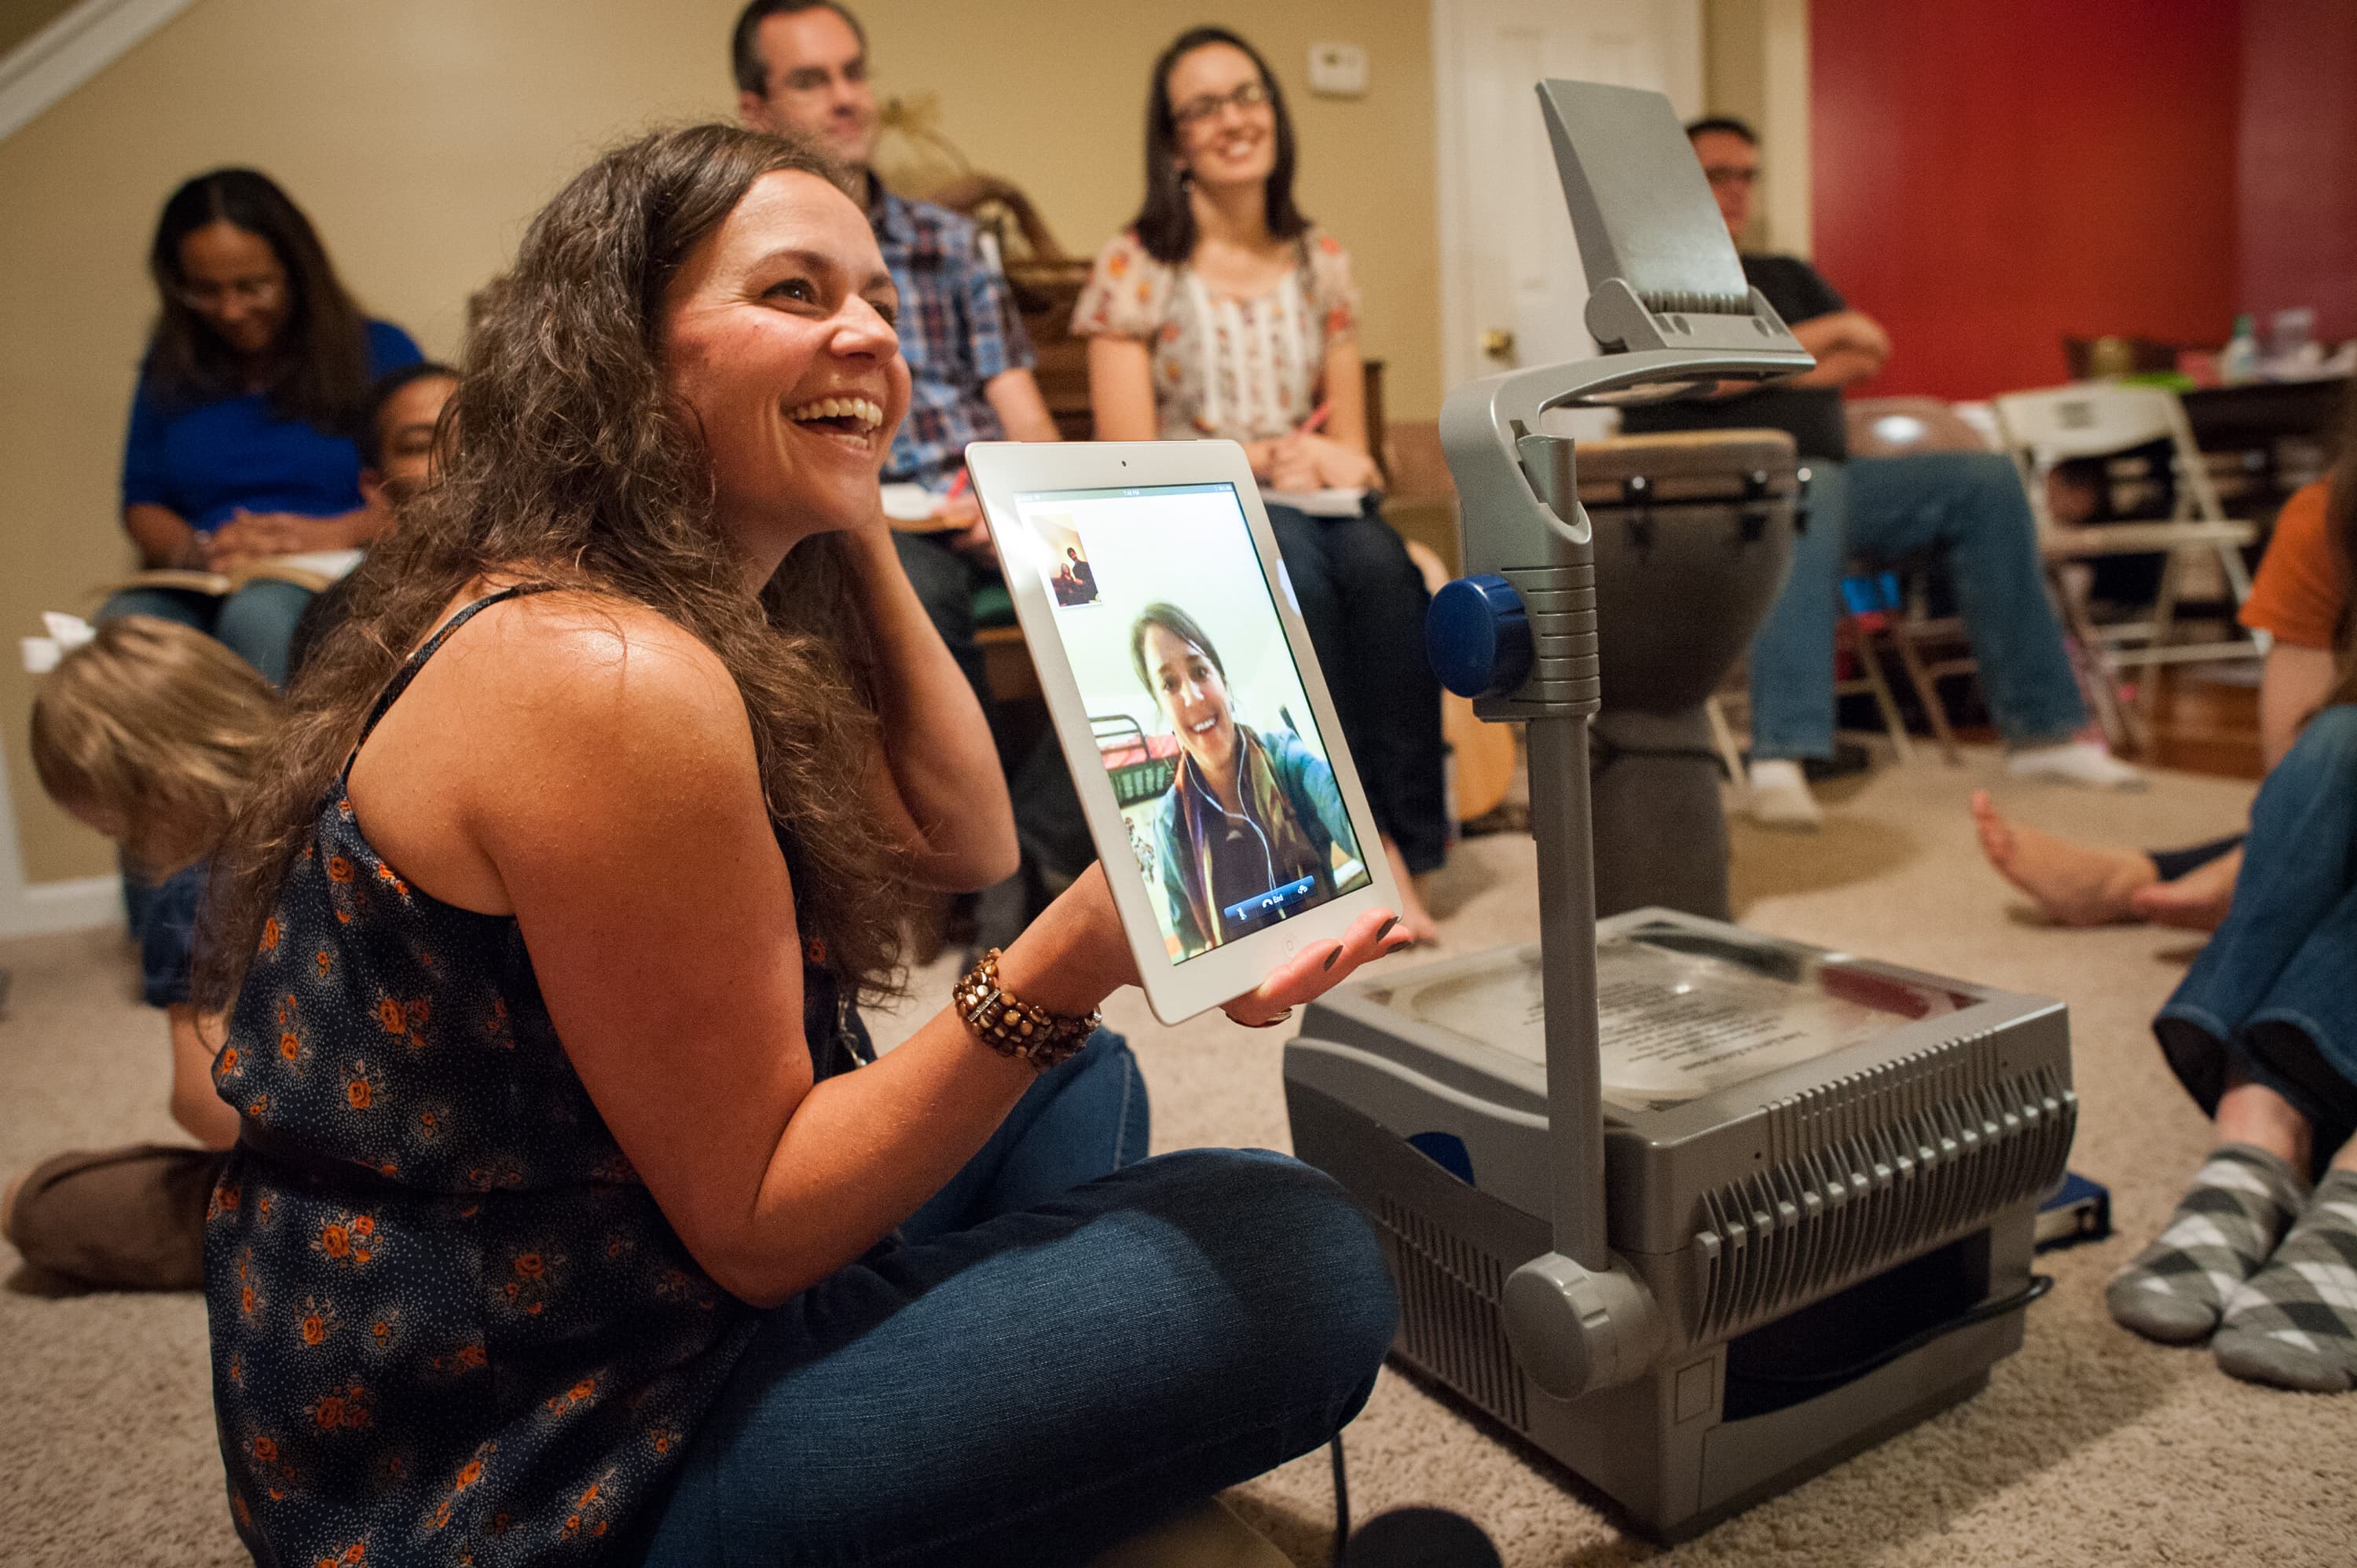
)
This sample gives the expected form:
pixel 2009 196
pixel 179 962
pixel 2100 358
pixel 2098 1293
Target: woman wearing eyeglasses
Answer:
pixel 1225 312
pixel 241 443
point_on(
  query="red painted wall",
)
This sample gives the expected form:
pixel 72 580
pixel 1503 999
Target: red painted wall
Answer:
pixel 1992 174
pixel 2297 164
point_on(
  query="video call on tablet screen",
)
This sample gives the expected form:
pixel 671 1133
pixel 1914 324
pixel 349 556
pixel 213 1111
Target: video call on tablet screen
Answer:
pixel 1201 720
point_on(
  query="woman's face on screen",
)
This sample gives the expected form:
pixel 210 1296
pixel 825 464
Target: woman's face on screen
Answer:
pixel 778 338
pixel 1194 698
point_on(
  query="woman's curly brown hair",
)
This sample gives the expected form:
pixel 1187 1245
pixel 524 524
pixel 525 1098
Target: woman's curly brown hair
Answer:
pixel 575 466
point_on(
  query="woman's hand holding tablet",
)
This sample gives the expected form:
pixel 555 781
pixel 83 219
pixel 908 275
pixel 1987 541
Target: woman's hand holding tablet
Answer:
pixel 1236 843
pixel 1073 956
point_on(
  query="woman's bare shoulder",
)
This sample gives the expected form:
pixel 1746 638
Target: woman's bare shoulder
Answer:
pixel 542 682
pixel 567 647
pixel 558 708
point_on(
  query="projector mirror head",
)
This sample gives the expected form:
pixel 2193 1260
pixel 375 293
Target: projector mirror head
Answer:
pixel 1663 274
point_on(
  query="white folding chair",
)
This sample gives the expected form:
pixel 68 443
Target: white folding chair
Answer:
pixel 2094 419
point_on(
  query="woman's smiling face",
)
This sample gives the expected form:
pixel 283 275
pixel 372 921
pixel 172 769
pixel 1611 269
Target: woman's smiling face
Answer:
pixel 778 338
pixel 1194 696
pixel 1223 142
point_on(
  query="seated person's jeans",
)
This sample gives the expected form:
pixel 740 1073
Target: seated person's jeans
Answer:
pixel 2274 994
pixel 1059 1349
pixel 257 621
pixel 1967 506
pixel 1048 817
pixel 1364 602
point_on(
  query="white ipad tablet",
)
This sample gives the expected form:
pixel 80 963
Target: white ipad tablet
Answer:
pixel 1222 800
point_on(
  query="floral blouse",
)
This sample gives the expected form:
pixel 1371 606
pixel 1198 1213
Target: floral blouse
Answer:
pixel 448 1323
pixel 1246 370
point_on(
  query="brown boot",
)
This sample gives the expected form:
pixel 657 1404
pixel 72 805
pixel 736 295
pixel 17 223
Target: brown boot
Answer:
pixel 125 1218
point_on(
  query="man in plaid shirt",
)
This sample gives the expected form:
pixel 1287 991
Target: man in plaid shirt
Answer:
pixel 802 69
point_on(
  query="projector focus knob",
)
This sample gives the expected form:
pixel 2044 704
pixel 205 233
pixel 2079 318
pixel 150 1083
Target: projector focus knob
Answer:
pixel 1478 637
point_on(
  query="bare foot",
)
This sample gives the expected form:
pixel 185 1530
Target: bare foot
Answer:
pixel 2196 901
pixel 2073 884
pixel 1413 918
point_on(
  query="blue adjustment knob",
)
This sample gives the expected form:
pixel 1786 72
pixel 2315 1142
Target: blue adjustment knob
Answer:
pixel 1477 638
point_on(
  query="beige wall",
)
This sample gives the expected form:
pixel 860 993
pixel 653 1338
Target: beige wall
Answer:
pixel 1756 67
pixel 420 134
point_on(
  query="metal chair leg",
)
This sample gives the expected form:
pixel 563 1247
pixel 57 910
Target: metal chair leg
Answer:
pixel 1869 662
pixel 2100 668
pixel 1927 691
pixel 2164 633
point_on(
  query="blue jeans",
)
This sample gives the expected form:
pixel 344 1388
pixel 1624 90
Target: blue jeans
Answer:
pixel 1970 507
pixel 257 621
pixel 2274 995
pixel 1033 1372
pixel 1362 602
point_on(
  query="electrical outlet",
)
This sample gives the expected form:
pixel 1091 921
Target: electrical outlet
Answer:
pixel 1338 71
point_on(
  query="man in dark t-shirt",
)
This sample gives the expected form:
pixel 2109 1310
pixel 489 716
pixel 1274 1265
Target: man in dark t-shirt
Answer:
pixel 1967 506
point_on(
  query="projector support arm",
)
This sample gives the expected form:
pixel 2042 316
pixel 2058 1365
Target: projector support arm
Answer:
pixel 1518 635
pixel 1669 307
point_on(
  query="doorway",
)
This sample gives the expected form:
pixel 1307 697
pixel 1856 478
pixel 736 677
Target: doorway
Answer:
pixel 1513 292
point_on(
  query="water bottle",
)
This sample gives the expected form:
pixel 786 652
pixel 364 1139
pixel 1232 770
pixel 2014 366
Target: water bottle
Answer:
pixel 2239 360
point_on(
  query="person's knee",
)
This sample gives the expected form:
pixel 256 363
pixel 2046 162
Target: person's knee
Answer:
pixel 2330 741
pixel 1302 548
pixel 1287 1232
pixel 258 624
pixel 1995 487
pixel 1370 556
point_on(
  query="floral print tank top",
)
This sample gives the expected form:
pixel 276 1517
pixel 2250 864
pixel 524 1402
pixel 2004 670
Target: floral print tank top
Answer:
pixel 449 1325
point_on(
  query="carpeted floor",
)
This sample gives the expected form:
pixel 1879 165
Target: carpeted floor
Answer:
pixel 2089 1447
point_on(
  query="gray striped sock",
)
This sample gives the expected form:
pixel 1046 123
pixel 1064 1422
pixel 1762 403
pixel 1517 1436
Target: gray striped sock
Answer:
pixel 2241 1203
pixel 2294 1323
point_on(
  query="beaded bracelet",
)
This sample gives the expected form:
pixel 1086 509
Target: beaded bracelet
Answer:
pixel 1015 1027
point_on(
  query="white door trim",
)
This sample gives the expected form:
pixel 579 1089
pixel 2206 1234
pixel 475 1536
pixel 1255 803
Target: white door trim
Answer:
pixel 1461 355
pixel 80 44
pixel 31 909
pixel 1457 330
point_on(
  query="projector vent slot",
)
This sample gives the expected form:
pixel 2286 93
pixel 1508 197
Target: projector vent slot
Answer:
pixel 1450 1290
pixel 1873 1170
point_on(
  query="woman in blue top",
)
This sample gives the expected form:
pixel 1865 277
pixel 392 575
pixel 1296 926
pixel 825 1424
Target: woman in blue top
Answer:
pixel 241 442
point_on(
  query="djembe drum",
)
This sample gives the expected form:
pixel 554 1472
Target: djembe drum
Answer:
pixel 1694 537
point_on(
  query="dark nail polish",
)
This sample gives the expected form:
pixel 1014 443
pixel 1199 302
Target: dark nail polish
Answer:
pixel 1333 956
pixel 1385 928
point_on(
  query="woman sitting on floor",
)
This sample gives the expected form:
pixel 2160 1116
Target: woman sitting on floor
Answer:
pixel 2263 1033
pixel 2302 599
pixel 571 1219
pixel 1225 312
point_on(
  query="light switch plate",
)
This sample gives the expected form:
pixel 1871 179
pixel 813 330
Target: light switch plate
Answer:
pixel 1338 71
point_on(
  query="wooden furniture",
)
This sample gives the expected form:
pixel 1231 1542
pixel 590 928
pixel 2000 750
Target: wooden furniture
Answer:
pixel 1480 755
pixel 2264 440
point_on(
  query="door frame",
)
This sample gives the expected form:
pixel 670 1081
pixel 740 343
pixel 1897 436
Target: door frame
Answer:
pixel 1460 358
